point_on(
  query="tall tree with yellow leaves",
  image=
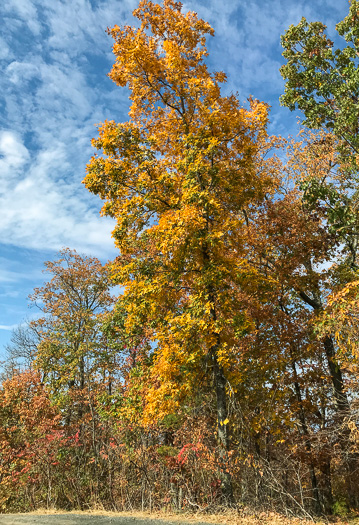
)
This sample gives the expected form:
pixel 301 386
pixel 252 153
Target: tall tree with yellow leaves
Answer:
pixel 179 177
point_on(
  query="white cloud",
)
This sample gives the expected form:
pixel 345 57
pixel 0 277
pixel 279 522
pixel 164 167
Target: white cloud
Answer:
pixel 40 211
pixel 247 42
pixel 76 24
pixel 25 10
pixel 13 156
pixel 12 276
pixel 8 327
pixel 18 72
pixel 13 294
pixel 5 52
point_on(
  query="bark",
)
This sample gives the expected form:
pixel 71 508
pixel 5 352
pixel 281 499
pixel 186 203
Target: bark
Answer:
pixel 308 445
pixel 306 434
pixel 327 493
pixel 221 394
pixel 343 411
pixel 81 408
pixel 222 427
pixel 340 397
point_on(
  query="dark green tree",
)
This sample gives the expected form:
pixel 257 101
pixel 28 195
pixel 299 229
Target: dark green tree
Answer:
pixel 322 81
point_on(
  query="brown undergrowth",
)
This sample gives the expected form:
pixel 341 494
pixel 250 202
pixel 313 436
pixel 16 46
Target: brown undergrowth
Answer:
pixel 229 517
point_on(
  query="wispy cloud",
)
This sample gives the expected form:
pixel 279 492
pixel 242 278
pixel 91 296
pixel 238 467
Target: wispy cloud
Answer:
pixel 46 211
pixel 51 104
pixel 8 327
pixel 247 43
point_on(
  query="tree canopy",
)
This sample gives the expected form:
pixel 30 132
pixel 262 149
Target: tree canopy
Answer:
pixel 225 371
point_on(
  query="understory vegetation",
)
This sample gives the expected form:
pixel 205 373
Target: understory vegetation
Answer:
pixel 225 372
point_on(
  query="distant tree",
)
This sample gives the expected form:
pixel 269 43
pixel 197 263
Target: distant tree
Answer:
pixel 21 352
pixel 72 352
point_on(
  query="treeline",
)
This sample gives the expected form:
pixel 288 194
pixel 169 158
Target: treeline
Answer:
pixel 226 370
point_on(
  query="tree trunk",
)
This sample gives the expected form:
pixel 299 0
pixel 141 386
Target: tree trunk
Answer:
pixel 222 428
pixel 308 445
pixel 327 492
pixel 340 397
pixel 81 409
pixel 342 407
pixel 221 394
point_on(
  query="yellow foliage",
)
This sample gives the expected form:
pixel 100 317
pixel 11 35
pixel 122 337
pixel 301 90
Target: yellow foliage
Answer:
pixel 177 177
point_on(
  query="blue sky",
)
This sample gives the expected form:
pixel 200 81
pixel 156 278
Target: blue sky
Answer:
pixel 54 57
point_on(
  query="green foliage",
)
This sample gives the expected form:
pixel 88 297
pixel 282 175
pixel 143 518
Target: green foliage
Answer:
pixel 324 82
pixel 340 508
pixel 167 451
